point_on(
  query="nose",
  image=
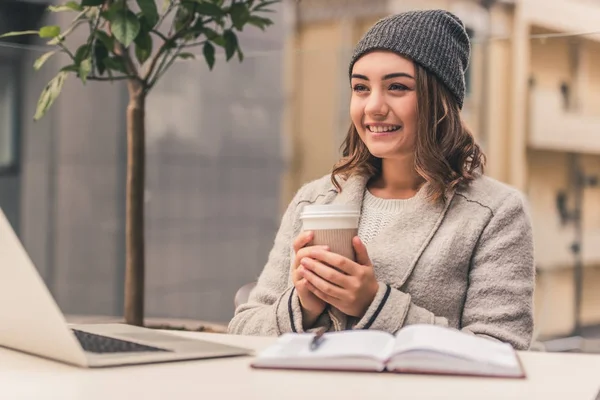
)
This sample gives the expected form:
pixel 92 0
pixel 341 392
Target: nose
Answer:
pixel 376 104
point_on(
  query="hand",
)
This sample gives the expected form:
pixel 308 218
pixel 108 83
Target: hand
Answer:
pixel 312 306
pixel 351 289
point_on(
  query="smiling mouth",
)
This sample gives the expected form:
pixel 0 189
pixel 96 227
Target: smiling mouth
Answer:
pixel 383 129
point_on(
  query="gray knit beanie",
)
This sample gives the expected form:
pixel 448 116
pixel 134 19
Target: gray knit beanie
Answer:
pixel 435 39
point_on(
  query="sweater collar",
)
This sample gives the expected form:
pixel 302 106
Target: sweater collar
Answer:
pixel 353 189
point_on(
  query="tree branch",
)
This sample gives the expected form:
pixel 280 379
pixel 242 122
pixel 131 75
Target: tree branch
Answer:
pixel 201 43
pixel 162 18
pixel 66 50
pixel 112 78
pixel 168 42
pixel 159 34
pixel 163 68
pixel 121 51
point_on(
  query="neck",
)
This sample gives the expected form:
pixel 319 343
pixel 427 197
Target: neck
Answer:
pixel 398 178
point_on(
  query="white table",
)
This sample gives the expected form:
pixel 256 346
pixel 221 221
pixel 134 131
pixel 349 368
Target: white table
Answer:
pixel 550 376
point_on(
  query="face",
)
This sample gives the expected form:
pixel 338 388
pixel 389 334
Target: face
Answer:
pixel 383 106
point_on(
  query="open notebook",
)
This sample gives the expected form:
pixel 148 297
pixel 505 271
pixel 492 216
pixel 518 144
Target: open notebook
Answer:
pixel 415 349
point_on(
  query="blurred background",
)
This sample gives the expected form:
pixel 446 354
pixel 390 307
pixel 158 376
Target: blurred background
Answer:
pixel 228 148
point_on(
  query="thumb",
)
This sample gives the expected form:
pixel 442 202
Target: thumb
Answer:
pixel 362 257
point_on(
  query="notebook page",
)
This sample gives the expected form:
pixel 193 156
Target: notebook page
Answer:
pixel 373 344
pixel 452 342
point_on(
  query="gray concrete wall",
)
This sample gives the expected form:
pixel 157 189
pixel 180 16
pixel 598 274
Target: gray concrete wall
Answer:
pixel 213 174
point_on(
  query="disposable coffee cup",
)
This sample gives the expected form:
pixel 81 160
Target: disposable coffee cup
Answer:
pixel 334 225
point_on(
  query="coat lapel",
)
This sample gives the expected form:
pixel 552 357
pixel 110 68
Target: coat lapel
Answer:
pixel 397 248
pixel 352 191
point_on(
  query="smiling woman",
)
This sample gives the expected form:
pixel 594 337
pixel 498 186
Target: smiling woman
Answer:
pixel 438 242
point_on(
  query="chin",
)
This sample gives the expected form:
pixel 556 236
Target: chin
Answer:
pixel 381 151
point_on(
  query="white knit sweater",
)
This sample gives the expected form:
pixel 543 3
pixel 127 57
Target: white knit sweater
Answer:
pixel 377 213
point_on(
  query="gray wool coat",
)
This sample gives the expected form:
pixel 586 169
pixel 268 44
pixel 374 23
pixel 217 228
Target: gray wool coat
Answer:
pixel 464 263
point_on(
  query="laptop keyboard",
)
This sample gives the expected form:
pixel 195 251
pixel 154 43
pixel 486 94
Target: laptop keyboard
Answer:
pixel 103 344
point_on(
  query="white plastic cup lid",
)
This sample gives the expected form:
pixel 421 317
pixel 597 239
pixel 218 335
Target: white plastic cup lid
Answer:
pixel 329 210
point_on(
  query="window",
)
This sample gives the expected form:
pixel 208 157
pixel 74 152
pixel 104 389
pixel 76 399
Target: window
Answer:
pixel 8 137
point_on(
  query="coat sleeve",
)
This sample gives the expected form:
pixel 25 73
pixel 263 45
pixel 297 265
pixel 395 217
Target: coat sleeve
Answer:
pixel 273 307
pixel 499 298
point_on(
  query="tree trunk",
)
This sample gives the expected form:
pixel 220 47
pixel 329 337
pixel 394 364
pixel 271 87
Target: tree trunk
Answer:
pixel 134 225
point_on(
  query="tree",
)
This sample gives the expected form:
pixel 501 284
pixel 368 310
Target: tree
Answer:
pixel 121 46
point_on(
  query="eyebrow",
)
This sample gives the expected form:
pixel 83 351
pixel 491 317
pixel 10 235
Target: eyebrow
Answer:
pixel 385 77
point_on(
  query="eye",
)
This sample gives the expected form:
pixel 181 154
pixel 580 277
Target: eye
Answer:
pixel 398 86
pixel 360 88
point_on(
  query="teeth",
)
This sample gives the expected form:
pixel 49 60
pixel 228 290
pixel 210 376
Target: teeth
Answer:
pixel 380 129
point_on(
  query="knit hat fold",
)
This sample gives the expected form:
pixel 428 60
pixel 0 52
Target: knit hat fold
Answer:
pixel 435 39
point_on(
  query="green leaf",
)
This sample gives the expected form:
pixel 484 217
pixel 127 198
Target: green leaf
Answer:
pixel 213 36
pixel 210 33
pixel 84 69
pixel 49 94
pixel 100 53
pixel 240 54
pixel 239 15
pixel 149 10
pixel 42 59
pixel 209 9
pixel 209 54
pixel 82 53
pixel 116 64
pixel 182 16
pixel 20 33
pixel 143 46
pixel 92 3
pixel 69 6
pixel 260 22
pixel 261 7
pixel 197 28
pixel 50 31
pixel 70 68
pixel 106 40
pixel 125 27
pixel 186 56
pixel 231 44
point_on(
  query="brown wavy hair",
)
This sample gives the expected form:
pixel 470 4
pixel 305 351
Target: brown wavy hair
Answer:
pixel 446 154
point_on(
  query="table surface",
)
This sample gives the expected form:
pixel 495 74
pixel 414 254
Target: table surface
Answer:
pixel 550 376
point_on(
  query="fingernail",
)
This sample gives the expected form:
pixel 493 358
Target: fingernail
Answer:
pixel 304 261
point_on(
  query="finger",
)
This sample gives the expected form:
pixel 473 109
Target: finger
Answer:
pixel 362 256
pixel 335 260
pixel 302 287
pixel 326 272
pixel 325 297
pixel 321 284
pixel 302 240
pixel 303 252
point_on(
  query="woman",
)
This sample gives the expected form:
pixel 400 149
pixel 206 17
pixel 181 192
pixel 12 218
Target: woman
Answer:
pixel 438 242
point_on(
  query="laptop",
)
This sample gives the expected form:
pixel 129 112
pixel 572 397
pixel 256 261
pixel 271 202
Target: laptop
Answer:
pixel 31 322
